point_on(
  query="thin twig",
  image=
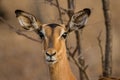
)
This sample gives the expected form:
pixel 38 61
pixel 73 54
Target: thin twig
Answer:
pixel 5 22
pixel 83 69
pixel 71 8
pixel 28 37
pixel 74 52
pixel 56 6
pixel 17 31
pixel 80 67
pixel 60 14
pixel 101 50
pixel 100 45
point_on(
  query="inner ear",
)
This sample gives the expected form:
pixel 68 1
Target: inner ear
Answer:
pixel 27 20
pixel 78 20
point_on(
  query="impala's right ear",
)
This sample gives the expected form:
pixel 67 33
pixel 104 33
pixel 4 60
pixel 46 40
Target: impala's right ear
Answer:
pixel 27 21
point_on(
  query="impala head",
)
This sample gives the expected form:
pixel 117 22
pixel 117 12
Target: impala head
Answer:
pixel 53 35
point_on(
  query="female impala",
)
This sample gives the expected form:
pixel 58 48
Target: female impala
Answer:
pixel 54 36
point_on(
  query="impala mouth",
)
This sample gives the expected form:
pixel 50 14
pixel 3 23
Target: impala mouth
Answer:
pixel 50 60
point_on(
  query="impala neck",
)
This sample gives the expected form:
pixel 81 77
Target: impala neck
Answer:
pixel 61 70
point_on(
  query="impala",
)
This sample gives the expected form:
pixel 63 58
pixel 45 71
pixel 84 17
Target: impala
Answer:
pixel 53 36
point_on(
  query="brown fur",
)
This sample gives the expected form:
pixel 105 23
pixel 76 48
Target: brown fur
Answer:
pixel 60 70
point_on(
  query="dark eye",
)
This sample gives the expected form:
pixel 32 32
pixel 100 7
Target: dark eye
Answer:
pixel 64 35
pixel 41 35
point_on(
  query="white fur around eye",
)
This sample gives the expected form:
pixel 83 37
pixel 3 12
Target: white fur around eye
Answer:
pixel 61 33
pixel 43 31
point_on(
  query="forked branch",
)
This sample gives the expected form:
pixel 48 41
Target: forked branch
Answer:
pixel 83 69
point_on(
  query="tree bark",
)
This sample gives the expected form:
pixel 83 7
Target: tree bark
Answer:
pixel 107 70
pixel 71 8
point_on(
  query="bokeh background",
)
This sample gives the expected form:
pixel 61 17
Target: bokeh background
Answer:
pixel 23 59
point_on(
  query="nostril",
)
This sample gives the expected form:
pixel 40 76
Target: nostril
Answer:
pixel 50 54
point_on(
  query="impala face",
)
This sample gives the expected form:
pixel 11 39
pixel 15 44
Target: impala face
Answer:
pixel 53 35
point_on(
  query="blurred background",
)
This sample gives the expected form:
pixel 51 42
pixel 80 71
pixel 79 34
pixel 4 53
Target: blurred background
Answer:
pixel 23 59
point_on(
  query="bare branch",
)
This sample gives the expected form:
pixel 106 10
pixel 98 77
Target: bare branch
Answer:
pixel 5 22
pixel 101 50
pixel 28 37
pixel 100 45
pixel 74 52
pixel 60 14
pixel 80 67
pixel 71 8
pixel 56 6
pixel 75 60
pixel 19 32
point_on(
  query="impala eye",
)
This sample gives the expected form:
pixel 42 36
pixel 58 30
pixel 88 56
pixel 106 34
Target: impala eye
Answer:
pixel 64 35
pixel 41 35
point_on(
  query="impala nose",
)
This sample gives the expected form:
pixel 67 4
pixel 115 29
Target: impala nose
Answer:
pixel 50 54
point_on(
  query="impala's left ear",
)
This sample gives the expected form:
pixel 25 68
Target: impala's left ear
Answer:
pixel 78 20
pixel 27 20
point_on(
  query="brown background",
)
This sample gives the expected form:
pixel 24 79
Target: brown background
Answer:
pixel 22 59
